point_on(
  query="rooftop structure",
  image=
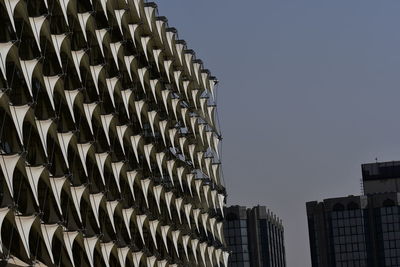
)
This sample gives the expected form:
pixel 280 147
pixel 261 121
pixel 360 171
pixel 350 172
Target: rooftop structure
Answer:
pixel 381 177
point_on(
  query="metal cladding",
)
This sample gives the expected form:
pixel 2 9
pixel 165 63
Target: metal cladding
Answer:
pixel 109 139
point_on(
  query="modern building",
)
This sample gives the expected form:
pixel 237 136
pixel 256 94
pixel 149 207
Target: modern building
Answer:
pixel 109 141
pixel 255 237
pixel 359 230
pixel 236 235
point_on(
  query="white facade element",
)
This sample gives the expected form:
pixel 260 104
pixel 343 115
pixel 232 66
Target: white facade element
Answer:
pixel 8 165
pixel 121 131
pixel 132 30
pixel 43 127
pixel 162 263
pixel 106 249
pixel 123 254
pixel 221 201
pixel 18 114
pixel 117 167
pixel 128 61
pixel 210 252
pixel 90 244
pixel 188 209
pixel 145 188
pixel 157 190
pixel 225 256
pixel 178 204
pixel 219 232
pixel 180 171
pixel 77 193
pixel 170 167
pixel 64 139
pixel 126 96
pixel 95 201
pixel 204 219
pixel 101 161
pixel 69 239
pixel 77 57
pixel 28 67
pixel 151 261
pixel 214 198
pixel 189 180
pixel 24 225
pixel 83 20
pixel 203 249
pixel 132 175
pixel 196 215
pixel 95 71
pixel 153 231
pixel 111 86
pixel 89 110
pixel 135 140
pixel 48 231
pixel 140 219
pixel 137 256
pixel 100 34
pixel 56 186
pixel 50 84
pixel 198 184
pixel 10 6
pixel 164 234
pixel 212 226
pixel 175 237
pixel 36 25
pixel 168 198
pixel 127 215
pixel 194 243
pixel 70 96
pixel 111 206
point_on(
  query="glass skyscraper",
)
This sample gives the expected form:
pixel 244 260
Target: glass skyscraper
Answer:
pixel 255 237
pixel 359 230
pixel 236 236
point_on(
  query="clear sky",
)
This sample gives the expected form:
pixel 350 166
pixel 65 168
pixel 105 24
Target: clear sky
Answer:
pixel 309 90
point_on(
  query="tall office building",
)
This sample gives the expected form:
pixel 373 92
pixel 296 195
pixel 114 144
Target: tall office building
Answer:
pixel 108 140
pixel 255 237
pixel 359 230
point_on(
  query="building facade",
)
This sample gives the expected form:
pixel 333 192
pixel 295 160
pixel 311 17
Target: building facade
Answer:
pixel 109 141
pixel 359 230
pixel 255 237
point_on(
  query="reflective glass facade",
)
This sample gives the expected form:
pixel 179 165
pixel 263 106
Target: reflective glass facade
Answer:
pixel 348 238
pixel 254 237
pixel 271 243
pixel 236 236
pixel 388 231
pixel 355 231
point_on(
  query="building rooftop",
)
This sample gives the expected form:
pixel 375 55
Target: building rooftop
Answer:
pixel 380 170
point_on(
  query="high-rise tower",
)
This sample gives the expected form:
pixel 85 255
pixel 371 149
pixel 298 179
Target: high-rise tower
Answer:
pixel 359 230
pixel 255 237
pixel 109 139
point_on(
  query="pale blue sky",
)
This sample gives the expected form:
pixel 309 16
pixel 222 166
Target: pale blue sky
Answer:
pixel 309 90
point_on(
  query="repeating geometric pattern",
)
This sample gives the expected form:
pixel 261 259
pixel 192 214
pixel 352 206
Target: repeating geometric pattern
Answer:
pixel 109 139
